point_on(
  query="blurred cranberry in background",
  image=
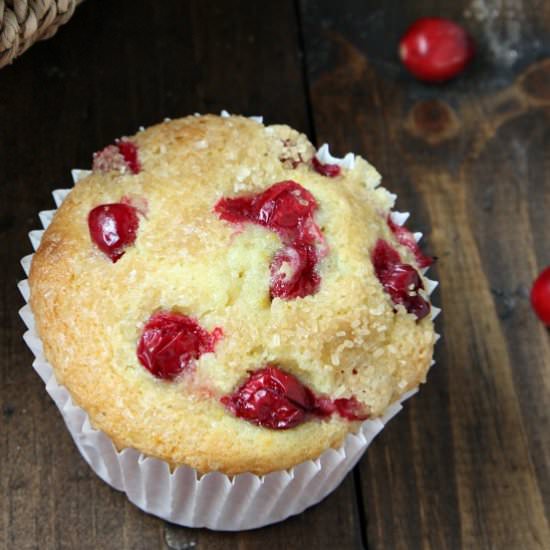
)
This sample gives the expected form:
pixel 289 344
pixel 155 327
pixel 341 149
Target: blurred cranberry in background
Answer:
pixel 540 296
pixel 435 49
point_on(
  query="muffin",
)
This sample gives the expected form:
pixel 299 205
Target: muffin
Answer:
pixel 218 296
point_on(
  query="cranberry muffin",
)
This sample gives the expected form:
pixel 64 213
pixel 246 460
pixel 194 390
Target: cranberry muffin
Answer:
pixel 214 294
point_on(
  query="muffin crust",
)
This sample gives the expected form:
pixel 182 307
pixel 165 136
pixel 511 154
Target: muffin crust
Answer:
pixel 347 339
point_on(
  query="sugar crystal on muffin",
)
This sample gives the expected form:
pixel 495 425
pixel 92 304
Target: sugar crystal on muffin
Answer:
pixel 218 295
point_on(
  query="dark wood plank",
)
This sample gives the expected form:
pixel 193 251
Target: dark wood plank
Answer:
pixel 115 66
pixel 466 465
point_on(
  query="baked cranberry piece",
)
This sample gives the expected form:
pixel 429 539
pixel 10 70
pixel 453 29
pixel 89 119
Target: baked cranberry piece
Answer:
pixel 347 407
pixel 401 281
pixel 293 272
pixel 287 209
pixel 406 238
pixel 129 151
pixel 540 296
pixel 435 49
pixel 350 408
pixel 276 399
pixel 171 342
pixel 121 156
pixel 384 256
pixel 271 398
pixel 140 203
pixel 113 228
pixel 329 170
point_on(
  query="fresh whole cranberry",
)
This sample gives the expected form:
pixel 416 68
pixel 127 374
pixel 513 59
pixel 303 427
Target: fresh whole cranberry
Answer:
pixel 406 238
pixel 401 281
pixel 540 296
pixel 287 209
pixel 113 227
pixel 171 342
pixel 435 49
pixel 329 170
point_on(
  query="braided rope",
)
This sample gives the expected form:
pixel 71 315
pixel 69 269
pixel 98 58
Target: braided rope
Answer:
pixel 23 22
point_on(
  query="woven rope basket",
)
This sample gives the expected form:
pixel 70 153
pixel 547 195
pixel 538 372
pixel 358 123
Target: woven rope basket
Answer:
pixel 23 22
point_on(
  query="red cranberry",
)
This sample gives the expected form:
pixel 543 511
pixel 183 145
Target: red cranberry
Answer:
pixel 140 203
pixel 271 398
pixel 329 170
pixel 276 399
pixel 350 408
pixel 401 281
pixel 347 407
pixel 540 296
pixel 130 153
pixel 293 272
pixel 384 256
pixel 436 49
pixel 406 238
pixel 171 342
pixel 121 156
pixel 287 209
pixel 113 228
pixel 324 406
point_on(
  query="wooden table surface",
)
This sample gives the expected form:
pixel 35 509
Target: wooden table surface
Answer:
pixel 467 463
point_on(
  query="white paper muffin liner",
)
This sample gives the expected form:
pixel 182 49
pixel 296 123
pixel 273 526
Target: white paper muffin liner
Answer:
pixel 182 496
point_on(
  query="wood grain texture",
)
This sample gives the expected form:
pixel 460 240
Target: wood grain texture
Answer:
pixel 466 465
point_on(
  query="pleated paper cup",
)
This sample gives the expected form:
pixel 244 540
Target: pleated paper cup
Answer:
pixel 183 496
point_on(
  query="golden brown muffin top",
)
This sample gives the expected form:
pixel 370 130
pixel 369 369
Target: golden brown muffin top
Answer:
pixel 348 338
